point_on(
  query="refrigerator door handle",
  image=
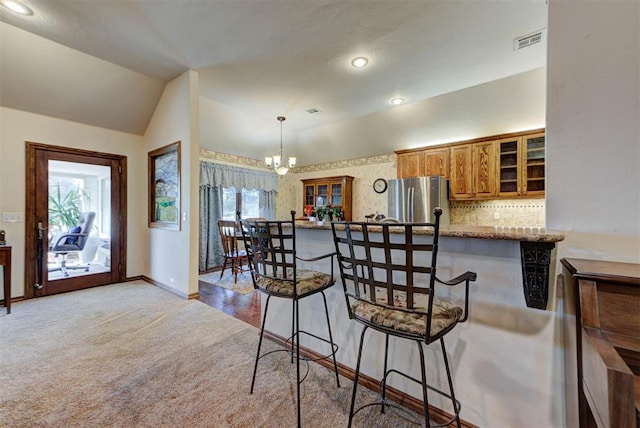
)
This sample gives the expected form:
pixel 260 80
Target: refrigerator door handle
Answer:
pixel 410 205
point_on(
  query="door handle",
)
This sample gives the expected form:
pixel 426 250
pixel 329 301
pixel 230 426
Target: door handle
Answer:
pixel 41 230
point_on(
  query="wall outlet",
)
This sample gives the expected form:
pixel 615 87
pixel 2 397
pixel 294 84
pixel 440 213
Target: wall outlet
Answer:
pixel 496 215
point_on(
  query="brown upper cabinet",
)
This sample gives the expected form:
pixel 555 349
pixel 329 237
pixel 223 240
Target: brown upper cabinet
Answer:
pixel 333 190
pixel 425 162
pixel 500 166
pixel 472 174
pixel 521 165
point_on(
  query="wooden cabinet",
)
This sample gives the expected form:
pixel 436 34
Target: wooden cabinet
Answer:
pixel 333 190
pixel 472 171
pixel 461 169
pixel 533 150
pixel 501 166
pixel 436 162
pixel 521 165
pixel 426 162
pixel 601 344
pixel 409 165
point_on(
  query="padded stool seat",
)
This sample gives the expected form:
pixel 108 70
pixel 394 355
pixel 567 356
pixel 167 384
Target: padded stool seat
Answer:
pixel 444 316
pixel 271 250
pixel 308 282
pixel 389 280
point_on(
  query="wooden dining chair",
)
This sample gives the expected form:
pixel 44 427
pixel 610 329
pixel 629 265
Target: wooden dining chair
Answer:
pixel 233 255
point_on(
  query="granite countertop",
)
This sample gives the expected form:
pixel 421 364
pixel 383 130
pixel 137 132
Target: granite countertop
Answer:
pixel 505 233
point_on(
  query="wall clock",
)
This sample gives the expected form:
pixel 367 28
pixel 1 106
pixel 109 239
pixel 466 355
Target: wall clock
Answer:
pixel 380 185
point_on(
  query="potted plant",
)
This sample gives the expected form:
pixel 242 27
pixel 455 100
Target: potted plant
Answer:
pixel 337 213
pixel 64 210
pixel 310 212
pixel 321 212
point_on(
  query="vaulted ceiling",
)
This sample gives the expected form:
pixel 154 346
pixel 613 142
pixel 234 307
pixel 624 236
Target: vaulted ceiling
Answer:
pixel 105 63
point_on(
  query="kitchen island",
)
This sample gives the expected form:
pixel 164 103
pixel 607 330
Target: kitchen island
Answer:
pixel 506 360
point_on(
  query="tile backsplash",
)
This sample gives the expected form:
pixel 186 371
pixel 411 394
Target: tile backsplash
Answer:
pixel 509 212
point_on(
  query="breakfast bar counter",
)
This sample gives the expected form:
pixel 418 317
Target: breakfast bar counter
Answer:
pixel 536 246
pixel 528 234
pixel 507 357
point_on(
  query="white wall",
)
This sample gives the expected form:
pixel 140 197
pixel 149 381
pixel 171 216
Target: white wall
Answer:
pixel 17 127
pixel 173 255
pixel 593 139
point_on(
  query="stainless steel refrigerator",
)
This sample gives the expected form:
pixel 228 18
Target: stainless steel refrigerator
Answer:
pixel 412 200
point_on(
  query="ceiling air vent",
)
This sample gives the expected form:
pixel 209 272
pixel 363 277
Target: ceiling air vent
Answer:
pixel 313 110
pixel 528 40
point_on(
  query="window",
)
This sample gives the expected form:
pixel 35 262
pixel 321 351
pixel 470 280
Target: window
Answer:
pixel 243 200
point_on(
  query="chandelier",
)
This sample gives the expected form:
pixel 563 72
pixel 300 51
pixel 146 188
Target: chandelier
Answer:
pixel 276 160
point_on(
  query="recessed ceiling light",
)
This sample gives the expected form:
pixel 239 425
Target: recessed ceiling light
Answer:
pixel 360 62
pixel 17 7
pixel 397 101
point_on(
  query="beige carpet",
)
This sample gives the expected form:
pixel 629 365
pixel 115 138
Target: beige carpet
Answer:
pixel 243 286
pixel 134 355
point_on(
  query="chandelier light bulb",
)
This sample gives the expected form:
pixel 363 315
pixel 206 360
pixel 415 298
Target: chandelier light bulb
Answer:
pixel 276 160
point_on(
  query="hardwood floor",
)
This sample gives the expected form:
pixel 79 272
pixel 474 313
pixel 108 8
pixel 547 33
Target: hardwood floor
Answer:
pixel 245 307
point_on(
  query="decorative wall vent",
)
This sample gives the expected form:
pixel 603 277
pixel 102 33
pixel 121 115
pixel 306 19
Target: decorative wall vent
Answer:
pixel 528 40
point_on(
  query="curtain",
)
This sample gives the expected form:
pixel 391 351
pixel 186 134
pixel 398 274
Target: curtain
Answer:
pixel 267 204
pixel 218 175
pixel 211 254
pixel 213 177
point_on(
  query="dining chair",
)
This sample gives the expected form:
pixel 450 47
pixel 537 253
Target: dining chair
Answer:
pixel 234 256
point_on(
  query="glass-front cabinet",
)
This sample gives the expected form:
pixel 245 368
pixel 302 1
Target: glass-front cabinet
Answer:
pixel 521 165
pixel 334 191
pixel 509 167
pixel 534 160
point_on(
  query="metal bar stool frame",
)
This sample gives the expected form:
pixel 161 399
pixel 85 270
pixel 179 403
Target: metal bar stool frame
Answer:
pixel 271 249
pixel 369 259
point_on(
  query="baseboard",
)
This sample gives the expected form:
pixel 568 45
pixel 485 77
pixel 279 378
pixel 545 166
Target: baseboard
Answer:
pixel 164 286
pixel 438 416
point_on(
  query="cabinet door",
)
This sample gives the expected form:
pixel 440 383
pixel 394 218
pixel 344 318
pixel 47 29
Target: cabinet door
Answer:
pixel 409 165
pixel 533 164
pixel 310 195
pixel 336 194
pixel 322 195
pixel 484 164
pixel 509 167
pixel 436 162
pixel 461 179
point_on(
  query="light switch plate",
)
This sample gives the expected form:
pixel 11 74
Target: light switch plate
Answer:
pixel 12 217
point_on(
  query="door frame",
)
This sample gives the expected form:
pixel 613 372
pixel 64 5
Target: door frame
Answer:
pixel 118 211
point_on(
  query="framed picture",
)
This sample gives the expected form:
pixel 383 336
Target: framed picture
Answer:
pixel 164 187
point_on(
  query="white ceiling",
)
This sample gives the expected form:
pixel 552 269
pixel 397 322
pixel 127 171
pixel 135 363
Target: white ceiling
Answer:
pixel 257 59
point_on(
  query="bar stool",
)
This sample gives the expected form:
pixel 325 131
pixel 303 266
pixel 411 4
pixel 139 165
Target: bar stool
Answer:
pixel 389 279
pixel 271 248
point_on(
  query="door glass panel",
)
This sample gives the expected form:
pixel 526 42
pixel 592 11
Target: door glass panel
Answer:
pixel 79 218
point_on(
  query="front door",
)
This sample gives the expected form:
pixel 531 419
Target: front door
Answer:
pixel 75 219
